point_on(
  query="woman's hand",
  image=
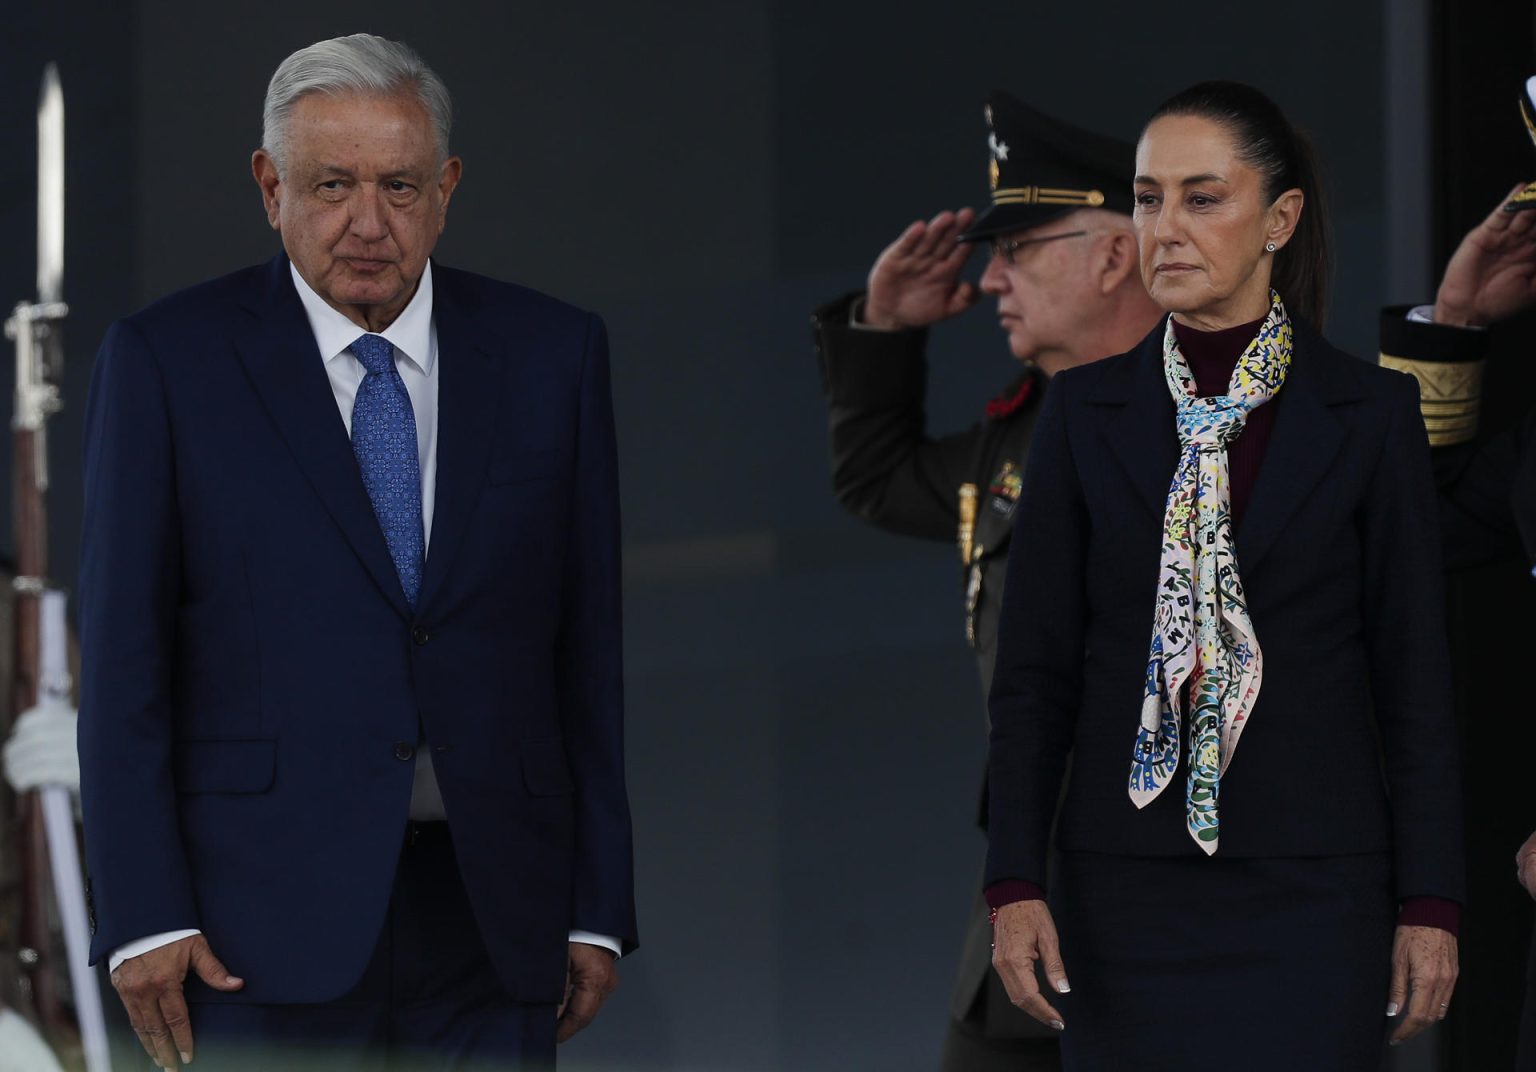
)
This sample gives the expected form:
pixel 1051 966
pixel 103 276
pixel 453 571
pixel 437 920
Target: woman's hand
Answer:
pixel 1423 962
pixel 1023 936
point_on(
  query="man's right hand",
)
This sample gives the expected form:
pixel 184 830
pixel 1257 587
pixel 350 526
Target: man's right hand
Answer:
pixel 1492 274
pixel 150 986
pixel 1525 865
pixel 916 281
pixel 1024 936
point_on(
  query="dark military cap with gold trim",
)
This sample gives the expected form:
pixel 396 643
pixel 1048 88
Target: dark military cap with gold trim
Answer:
pixel 1041 168
pixel 1526 198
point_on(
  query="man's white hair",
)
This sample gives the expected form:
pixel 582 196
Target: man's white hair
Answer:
pixel 363 64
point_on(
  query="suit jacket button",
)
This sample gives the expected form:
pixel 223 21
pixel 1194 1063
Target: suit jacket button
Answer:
pixel 403 750
pixel 419 635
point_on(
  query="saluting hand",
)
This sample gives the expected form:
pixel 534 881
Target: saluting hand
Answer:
pixel 1492 274
pixel 1525 865
pixel 150 986
pixel 1023 937
pixel 916 281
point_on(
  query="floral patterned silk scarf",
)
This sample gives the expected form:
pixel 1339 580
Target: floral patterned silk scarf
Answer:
pixel 1201 633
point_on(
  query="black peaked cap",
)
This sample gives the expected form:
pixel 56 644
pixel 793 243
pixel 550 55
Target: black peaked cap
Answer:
pixel 1041 168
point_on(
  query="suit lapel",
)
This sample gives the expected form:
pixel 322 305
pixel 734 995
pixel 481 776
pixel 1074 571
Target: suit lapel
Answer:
pixel 1306 437
pixel 286 370
pixel 468 402
pixel 1142 434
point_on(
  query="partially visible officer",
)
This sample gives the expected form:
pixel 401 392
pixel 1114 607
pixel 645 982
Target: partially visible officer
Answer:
pixel 1063 271
pixel 1487 484
pixel 40 750
pixel 1487 487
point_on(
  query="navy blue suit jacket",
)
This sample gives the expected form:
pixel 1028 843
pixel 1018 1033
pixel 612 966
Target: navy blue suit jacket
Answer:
pixel 1340 558
pixel 252 675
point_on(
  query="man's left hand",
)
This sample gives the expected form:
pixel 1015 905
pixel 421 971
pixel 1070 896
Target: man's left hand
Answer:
pixel 1424 965
pixel 590 977
pixel 1525 865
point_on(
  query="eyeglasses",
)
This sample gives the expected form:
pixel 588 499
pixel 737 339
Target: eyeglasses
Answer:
pixel 1007 247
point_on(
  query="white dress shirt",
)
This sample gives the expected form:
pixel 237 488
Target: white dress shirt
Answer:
pixel 414 336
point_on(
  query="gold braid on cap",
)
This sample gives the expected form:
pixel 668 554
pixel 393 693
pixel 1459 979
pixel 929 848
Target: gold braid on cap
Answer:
pixel 1047 195
pixel 1526 198
pixel 1450 395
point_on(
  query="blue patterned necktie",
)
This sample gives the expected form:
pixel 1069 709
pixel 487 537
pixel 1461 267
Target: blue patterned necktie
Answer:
pixel 384 439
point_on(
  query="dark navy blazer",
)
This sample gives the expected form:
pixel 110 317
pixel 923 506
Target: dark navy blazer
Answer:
pixel 253 679
pixel 1351 747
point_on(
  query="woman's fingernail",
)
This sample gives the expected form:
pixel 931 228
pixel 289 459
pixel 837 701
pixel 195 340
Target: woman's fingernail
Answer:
pixel 1063 987
pixel 1058 1025
pixel 1391 1008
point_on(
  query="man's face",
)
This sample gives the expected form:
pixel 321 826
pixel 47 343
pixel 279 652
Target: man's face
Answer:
pixel 1047 293
pixel 362 200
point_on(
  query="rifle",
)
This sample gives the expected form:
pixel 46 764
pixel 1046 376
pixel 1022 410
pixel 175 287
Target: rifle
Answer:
pixel 35 328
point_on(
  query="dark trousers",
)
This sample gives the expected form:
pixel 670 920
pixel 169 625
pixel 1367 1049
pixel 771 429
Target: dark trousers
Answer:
pixel 1525 1060
pixel 428 999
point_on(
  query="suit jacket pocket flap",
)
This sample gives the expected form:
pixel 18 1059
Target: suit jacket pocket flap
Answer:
pixel 546 772
pixel 511 467
pixel 225 766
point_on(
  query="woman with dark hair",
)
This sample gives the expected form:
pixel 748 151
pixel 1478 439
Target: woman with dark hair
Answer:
pixel 1260 505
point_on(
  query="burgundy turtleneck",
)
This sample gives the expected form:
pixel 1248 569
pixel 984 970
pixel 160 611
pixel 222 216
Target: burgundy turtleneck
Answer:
pixel 1212 355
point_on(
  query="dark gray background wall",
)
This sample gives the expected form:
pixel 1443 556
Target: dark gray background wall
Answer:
pixel 805 725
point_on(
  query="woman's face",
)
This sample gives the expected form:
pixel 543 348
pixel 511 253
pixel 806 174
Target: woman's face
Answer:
pixel 1202 223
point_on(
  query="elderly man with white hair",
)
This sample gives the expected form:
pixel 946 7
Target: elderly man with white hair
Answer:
pixel 351 736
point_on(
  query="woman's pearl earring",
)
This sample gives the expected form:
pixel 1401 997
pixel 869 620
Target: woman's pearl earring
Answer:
pixel 1269 246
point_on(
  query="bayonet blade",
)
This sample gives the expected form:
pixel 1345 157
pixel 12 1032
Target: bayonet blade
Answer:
pixel 50 188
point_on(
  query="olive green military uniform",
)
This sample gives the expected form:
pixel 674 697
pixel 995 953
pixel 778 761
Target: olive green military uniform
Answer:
pixel 889 471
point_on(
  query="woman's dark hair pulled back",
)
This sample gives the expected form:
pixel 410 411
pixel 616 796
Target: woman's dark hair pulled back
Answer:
pixel 1267 142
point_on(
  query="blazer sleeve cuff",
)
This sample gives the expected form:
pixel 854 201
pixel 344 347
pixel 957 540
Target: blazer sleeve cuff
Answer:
pixel 1010 890
pixel 144 945
pixel 1438 912
pixel 602 941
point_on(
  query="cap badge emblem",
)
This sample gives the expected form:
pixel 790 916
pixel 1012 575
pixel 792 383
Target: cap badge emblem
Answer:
pixel 999 148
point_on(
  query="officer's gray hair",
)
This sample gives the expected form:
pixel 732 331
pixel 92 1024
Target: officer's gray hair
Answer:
pixel 362 63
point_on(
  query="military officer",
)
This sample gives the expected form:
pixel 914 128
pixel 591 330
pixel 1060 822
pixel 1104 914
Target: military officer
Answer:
pixel 1063 271
pixel 1473 370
